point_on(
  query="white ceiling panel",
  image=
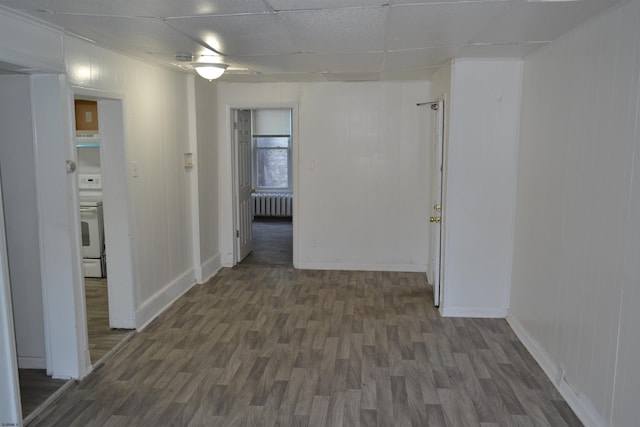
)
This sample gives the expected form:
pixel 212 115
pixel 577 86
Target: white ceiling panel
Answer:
pixel 397 2
pixel 239 35
pixel 126 34
pixel 173 8
pixel 419 58
pixel 337 30
pixel 515 50
pixel 93 7
pixel 322 4
pixel 317 40
pixel 302 63
pixel 351 77
pixel 539 21
pixel 428 25
pixel 347 63
pixel 417 74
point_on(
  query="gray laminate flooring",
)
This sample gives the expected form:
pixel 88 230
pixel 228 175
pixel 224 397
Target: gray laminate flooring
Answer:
pixel 267 346
pixel 35 388
pixel 272 242
pixel 101 337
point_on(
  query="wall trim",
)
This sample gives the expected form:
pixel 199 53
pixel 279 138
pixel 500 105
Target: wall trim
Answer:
pixel 582 407
pixel 210 268
pixel 461 311
pixel 405 268
pixel 161 300
pixel 27 362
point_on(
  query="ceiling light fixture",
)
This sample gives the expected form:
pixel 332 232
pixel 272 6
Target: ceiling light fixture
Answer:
pixel 210 71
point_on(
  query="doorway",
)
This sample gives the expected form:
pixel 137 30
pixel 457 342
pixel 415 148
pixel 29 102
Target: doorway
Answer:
pixel 262 145
pixel 103 184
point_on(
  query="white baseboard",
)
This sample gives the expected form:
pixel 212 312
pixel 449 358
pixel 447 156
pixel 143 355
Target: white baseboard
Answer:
pixel 162 299
pixel 25 362
pixel 210 268
pixel 405 268
pixel 582 407
pixel 489 313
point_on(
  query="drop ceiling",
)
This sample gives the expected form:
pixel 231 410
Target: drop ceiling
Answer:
pixel 316 40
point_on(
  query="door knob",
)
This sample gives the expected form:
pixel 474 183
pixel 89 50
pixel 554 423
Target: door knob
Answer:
pixel 434 219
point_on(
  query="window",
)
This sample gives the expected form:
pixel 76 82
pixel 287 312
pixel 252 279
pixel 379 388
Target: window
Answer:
pixel 272 162
pixel 272 150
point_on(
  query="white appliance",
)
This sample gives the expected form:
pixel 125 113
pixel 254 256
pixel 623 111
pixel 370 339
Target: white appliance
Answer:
pixel 92 225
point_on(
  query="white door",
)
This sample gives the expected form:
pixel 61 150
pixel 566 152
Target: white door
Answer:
pixel 242 126
pixel 437 143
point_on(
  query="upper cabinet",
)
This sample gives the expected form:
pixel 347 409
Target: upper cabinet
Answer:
pixel 86 116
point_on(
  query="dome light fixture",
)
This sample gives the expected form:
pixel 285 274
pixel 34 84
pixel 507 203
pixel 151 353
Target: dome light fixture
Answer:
pixel 209 71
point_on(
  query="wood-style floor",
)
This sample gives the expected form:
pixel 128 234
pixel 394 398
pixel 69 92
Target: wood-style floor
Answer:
pixel 267 346
pixel 272 242
pixel 35 386
pixel 101 337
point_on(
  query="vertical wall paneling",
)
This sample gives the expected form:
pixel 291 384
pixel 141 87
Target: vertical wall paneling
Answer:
pixel 17 167
pixel 156 133
pixel 481 172
pixel 575 274
pixel 207 172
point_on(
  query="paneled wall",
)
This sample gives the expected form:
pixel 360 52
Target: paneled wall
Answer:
pixel 17 168
pixel 363 162
pixel 157 136
pixel 479 200
pixel 576 276
pixel 207 156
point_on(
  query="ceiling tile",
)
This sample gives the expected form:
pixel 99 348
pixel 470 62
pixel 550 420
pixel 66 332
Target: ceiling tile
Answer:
pixel 239 35
pixel 429 25
pixel 417 74
pixel 146 8
pixel 351 77
pixel 515 50
pixel 126 34
pixel 337 30
pixel 322 4
pixel 346 63
pixel 397 2
pixel 419 58
pixel 539 21
pixel 301 63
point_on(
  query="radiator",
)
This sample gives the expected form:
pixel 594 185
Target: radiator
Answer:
pixel 272 204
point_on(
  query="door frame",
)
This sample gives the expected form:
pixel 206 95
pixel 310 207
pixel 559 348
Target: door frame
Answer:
pixel 229 222
pixel 116 206
pixel 10 407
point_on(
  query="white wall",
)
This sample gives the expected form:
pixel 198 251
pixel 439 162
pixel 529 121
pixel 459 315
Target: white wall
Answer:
pixel 362 193
pixel 575 283
pixel 206 109
pixel 479 201
pixel 17 169
pixel 157 136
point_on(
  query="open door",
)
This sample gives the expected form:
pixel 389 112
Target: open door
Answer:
pixel 242 133
pixel 437 138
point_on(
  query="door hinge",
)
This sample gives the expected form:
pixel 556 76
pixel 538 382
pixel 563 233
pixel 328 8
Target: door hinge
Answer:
pixel 237 233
